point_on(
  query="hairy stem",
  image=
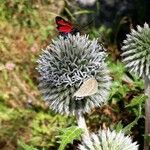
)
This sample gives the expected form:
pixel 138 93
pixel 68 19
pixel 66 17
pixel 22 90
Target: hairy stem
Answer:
pixel 147 112
pixel 82 124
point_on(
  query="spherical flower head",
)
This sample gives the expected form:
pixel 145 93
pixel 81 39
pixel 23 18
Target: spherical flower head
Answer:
pixel 63 67
pixel 86 2
pixel 108 140
pixel 136 51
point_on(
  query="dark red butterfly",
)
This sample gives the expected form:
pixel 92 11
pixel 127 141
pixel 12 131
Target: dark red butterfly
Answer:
pixel 64 27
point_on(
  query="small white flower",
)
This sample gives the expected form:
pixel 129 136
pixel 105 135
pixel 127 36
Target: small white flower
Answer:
pixel 136 51
pixel 108 140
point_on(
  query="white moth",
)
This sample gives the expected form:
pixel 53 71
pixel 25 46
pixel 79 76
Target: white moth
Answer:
pixel 88 88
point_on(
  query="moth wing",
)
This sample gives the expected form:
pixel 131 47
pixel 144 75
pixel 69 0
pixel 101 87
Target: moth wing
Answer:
pixel 88 88
pixel 61 21
pixel 65 29
pixel 63 25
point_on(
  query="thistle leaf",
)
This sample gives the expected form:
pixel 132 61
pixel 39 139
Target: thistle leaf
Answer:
pixel 24 146
pixel 68 135
pixel 128 128
pixel 138 100
pixel 118 127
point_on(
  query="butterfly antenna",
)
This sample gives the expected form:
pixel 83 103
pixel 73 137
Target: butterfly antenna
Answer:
pixel 89 23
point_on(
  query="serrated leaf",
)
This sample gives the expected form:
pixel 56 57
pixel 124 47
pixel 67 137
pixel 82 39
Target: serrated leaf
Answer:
pixel 128 128
pixel 69 135
pixel 118 127
pixel 138 100
pixel 24 146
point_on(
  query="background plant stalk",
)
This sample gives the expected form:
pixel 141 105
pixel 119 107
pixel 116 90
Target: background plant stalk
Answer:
pixel 147 112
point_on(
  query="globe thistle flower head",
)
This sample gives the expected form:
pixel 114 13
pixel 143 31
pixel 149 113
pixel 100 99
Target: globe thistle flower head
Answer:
pixel 136 51
pixel 86 2
pixel 108 140
pixel 64 65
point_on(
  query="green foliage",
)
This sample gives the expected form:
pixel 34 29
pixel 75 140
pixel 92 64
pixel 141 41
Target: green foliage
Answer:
pixel 40 128
pixel 45 127
pixel 127 129
pixel 3 96
pixel 119 89
pixel 68 135
pixel 137 101
pixel 122 82
pixel 24 12
pixel 118 127
pixel 23 146
pixel 103 33
pixel 147 138
pixel 27 14
pixel 136 105
pixel 127 91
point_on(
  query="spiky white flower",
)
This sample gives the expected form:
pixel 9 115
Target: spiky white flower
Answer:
pixel 64 65
pixel 136 51
pixel 86 2
pixel 108 140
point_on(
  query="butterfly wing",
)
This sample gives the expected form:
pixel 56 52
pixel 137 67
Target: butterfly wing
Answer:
pixel 64 26
pixel 88 88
